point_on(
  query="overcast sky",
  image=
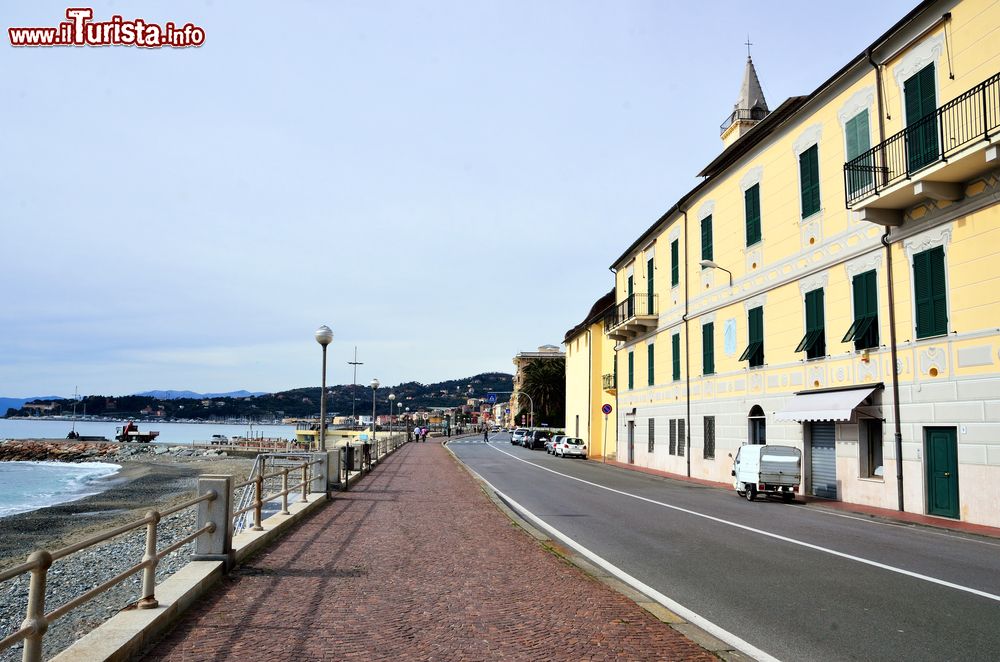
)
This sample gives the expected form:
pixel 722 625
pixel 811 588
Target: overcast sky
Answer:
pixel 443 183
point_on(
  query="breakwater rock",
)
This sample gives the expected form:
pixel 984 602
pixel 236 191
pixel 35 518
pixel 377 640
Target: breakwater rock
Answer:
pixel 53 451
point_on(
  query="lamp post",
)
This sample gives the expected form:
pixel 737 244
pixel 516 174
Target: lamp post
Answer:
pixel 392 396
pixel 708 264
pixel 374 386
pixel 324 336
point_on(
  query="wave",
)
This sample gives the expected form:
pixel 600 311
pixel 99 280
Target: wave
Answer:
pixel 31 485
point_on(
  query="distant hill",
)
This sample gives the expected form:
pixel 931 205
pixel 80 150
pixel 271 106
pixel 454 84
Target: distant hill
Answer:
pixel 17 403
pixel 175 395
pixel 299 402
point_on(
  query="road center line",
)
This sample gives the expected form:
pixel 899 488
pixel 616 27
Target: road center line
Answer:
pixel 793 541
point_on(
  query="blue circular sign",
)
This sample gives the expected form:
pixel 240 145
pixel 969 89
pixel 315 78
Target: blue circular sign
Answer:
pixel 606 409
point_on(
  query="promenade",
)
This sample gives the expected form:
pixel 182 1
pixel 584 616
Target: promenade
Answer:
pixel 416 562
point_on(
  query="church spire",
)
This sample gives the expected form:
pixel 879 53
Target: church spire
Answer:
pixel 750 107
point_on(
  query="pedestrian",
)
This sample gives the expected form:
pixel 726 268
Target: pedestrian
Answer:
pixel 423 434
pixel 486 435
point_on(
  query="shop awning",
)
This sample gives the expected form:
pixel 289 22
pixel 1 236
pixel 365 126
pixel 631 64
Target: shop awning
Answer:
pixel 825 406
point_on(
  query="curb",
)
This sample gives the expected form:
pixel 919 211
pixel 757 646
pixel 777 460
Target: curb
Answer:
pixel 689 630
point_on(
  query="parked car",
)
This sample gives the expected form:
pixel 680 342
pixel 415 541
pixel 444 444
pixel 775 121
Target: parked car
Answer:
pixel 571 447
pixel 550 445
pixel 772 470
pixel 536 439
pixel 517 436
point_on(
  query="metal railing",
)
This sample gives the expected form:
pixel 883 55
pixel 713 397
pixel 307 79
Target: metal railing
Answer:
pixel 253 498
pixel 37 620
pixel 742 114
pixel 637 304
pixel 973 115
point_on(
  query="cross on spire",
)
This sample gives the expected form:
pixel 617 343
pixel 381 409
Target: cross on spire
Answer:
pixel 748 44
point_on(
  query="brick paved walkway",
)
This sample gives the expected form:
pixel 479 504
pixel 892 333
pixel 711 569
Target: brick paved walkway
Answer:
pixel 416 563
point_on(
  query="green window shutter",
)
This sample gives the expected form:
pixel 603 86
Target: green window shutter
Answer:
pixel 929 293
pixel 675 346
pixel 859 142
pixel 675 268
pixel 630 305
pixel 755 320
pixel 921 125
pixel 751 205
pixel 809 180
pixel 706 238
pixel 938 291
pixel 651 378
pixel 649 287
pixel 631 370
pixel 708 348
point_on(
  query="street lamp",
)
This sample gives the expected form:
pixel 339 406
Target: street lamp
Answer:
pixel 708 264
pixel 406 420
pixel 324 336
pixel 374 386
pixel 392 396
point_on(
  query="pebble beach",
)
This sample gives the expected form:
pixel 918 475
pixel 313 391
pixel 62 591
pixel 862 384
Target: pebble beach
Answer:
pixel 152 477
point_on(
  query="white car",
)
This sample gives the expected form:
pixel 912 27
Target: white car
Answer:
pixel 518 435
pixel 550 445
pixel 571 447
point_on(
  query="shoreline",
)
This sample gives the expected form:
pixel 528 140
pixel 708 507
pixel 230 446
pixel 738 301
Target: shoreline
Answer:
pixel 146 481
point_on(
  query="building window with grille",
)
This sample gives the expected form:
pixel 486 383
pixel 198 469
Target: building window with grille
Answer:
pixel 680 437
pixel 651 436
pixel 709 442
pixel 672 448
pixel 814 341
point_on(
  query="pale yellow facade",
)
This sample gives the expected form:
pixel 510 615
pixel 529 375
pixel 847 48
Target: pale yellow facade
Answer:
pixel 948 380
pixel 590 383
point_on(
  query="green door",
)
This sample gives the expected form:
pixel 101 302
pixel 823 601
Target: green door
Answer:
pixel 941 450
pixel 921 120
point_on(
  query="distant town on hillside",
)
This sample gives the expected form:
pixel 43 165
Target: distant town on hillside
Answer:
pixel 296 403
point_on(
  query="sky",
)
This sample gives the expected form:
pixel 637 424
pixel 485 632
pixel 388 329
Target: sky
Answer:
pixel 442 183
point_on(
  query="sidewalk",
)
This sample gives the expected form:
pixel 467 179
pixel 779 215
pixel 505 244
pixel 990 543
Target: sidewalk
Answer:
pixel 416 563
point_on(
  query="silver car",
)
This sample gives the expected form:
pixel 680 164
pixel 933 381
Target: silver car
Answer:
pixel 518 435
pixel 571 447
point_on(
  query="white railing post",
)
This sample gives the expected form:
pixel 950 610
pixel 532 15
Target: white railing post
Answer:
pixel 35 617
pixel 149 559
pixel 217 545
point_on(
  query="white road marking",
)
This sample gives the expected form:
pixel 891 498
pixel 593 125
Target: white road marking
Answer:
pixel 793 541
pixel 679 609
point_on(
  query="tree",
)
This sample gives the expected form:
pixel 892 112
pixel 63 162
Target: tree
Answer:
pixel 545 382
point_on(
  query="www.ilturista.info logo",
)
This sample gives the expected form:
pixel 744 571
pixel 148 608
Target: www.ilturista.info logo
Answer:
pixel 80 30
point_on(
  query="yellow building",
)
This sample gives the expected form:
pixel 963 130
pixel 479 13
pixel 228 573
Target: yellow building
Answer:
pixel 590 379
pixel 831 283
pixel 518 398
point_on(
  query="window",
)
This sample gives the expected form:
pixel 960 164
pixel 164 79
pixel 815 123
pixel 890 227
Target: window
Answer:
pixel 675 269
pixel 650 379
pixel 709 444
pixel 675 351
pixel 672 449
pixel 708 348
pixel 870 441
pixel 920 97
pixel 754 353
pixel 650 436
pixel 864 330
pixel 814 342
pixel 751 205
pixel 929 293
pixel 858 136
pixel 809 180
pixel 631 370
pixel 630 285
pixel 680 437
pixel 649 286
pixel 706 238
pixel 757 433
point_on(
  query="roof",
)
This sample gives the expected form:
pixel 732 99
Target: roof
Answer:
pixel 596 312
pixel 784 113
pixel 751 96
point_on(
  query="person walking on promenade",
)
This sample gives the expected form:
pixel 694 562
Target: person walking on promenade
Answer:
pixel 486 434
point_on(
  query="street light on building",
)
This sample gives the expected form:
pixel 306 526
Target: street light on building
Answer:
pixel 374 386
pixel 324 336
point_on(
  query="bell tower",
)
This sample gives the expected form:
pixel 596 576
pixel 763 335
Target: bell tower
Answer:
pixel 750 107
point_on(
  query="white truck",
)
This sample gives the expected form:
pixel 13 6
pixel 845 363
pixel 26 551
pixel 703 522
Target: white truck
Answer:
pixel 772 470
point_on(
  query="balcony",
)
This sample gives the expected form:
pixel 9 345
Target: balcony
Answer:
pixel 633 316
pixel 609 383
pixel 742 114
pixel 931 158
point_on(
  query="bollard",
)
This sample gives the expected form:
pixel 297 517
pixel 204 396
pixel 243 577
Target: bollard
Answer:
pixel 284 491
pixel 148 599
pixel 218 544
pixel 35 616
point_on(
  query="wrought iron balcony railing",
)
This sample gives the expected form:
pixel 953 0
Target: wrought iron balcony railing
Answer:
pixel 637 304
pixel 972 116
pixel 742 114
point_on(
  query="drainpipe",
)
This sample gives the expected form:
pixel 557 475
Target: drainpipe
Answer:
pixel 604 448
pixel 687 348
pixel 897 424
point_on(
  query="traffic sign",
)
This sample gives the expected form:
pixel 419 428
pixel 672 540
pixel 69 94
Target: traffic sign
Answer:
pixel 606 409
pixel 507 410
pixel 491 398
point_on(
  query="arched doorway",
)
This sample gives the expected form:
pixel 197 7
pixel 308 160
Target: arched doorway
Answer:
pixel 757 426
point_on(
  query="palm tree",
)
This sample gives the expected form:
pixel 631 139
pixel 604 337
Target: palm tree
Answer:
pixel 545 382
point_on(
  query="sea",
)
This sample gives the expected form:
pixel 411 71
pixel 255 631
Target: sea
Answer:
pixel 32 485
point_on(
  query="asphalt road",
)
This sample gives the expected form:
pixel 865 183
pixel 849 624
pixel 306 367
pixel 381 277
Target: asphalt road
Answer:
pixel 799 583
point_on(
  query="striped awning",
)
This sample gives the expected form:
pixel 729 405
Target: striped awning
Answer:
pixel 825 406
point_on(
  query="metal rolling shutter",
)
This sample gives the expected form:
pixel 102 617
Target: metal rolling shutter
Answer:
pixel 823 460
